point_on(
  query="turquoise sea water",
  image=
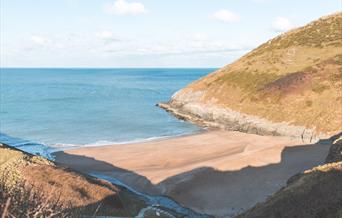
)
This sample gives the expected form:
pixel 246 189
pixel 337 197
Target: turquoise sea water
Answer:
pixel 46 109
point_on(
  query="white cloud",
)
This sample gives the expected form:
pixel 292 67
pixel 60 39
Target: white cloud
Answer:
pixel 200 36
pixel 104 35
pixel 39 40
pixel 226 16
pixel 122 7
pixel 64 49
pixel 281 24
pixel 184 47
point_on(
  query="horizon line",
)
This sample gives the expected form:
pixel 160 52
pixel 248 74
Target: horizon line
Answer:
pixel 110 67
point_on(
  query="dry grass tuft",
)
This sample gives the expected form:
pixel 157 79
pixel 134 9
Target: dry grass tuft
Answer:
pixel 23 200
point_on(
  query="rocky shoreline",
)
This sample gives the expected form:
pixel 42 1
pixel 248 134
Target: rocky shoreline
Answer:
pixel 223 118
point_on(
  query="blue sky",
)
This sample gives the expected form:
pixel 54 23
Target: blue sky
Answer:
pixel 145 33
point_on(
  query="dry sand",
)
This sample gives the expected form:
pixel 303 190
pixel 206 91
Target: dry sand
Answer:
pixel 215 172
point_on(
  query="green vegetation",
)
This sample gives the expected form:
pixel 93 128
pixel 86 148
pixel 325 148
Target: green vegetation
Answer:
pixel 319 88
pixel 324 32
pixel 249 82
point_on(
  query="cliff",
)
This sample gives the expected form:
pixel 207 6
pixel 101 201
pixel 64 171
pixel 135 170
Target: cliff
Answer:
pixel 290 85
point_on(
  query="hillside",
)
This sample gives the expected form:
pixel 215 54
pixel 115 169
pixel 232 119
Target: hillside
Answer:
pixel 290 85
pixel 314 193
pixel 37 186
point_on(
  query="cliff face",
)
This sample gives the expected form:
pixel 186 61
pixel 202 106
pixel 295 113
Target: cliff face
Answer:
pixel 290 85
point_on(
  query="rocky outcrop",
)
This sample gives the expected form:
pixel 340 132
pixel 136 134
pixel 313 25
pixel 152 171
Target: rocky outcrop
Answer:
pixel 224 118
pixel 335 152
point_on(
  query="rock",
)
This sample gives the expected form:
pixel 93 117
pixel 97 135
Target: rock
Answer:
pixel 335 152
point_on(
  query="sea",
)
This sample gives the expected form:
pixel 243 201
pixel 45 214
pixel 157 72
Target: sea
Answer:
pixel 46 110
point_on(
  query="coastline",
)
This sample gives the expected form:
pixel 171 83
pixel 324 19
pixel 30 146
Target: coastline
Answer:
pixel 36 169
pixel 47 151
pixel 223 118
pixel 205 171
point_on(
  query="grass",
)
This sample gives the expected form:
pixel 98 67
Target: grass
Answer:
pixel 321 33
pixel 319 88
pixel 308 103
pixel 22 200
pixel 249 82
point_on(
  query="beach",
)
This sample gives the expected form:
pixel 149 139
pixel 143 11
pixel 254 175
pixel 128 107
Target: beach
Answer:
pixel 215 172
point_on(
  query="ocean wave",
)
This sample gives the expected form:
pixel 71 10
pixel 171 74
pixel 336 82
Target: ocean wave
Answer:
pixel 47 149
pixel 65 146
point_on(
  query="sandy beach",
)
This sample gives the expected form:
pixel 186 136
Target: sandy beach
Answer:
pixel 216 172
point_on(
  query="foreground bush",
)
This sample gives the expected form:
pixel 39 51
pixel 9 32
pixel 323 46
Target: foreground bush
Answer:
pixel 21 200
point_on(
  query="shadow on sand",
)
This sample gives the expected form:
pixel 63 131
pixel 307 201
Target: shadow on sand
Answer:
pixel 211 191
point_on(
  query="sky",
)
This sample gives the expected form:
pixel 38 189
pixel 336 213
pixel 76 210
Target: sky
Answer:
pixel 145 33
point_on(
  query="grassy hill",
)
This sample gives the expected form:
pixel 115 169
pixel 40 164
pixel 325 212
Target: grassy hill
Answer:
pixel 293 79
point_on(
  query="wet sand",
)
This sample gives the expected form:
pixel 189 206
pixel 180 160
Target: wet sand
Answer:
pixel 215 172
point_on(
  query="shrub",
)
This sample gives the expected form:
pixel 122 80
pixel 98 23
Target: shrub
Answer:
pixel 319 88
pixel 22 200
